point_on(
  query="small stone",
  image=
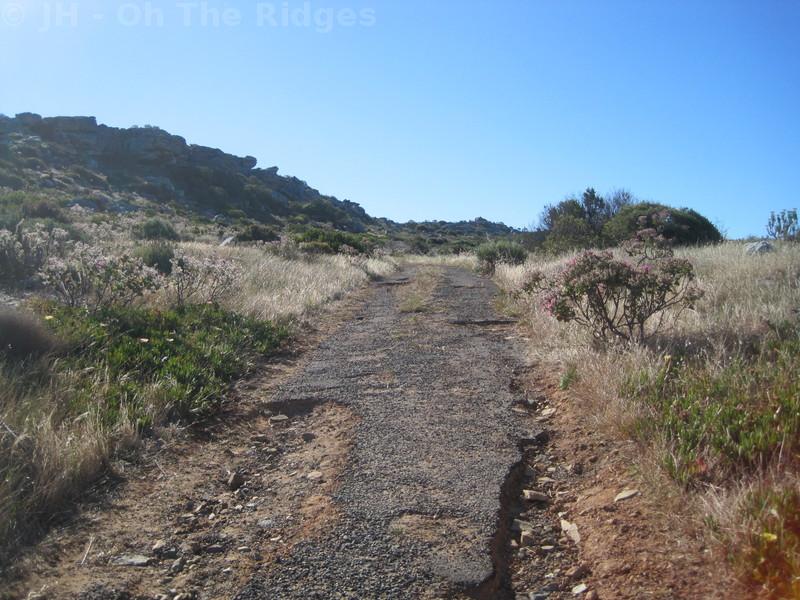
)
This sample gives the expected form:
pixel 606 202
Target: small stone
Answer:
pixel 188 548
pixel 577 572
pixel 545 480
pixel 178 565
pixel 527 538
pixel 235 481
pixel 243 549
pixel 308 437
pixel 571 531
pixel 159 547
pixel 278 420
pixel 535 496
pixel 548 412
pixel 625 494
pixel 315 476
pixel 592 595
pixel 538 595
pixel 520 525
pixel 266 524
pixel 131 560
pixel 547 549
pixel 579 589
pixel 215 549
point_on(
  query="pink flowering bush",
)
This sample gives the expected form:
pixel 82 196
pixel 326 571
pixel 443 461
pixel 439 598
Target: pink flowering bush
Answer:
pixel 24 251
pixel 89 277
pixel 620 299
pixel 202 279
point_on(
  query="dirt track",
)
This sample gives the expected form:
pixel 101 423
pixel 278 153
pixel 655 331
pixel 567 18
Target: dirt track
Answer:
pixel 436 437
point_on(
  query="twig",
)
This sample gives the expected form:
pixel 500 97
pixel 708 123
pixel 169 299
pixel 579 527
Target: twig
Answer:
pixel 163 472
pixel 88 549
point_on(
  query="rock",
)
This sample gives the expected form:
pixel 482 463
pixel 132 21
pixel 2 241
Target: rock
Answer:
pixel 577 572
pixel 215 549
pixel 548 412
pixel 571 531
pixel 521 525
pixel 762 247
pixel 315 476
pixel 547 549
pixel 538 595
pixel 308 437
pixel 235 481
pixel 592 595
pixel 278 420
pixel 535 496
pixel 579 589
pixel 266 524
pixel 159 547
pixel 625 494
pixel 178 565
pixel 188 548
pixel 527 538
pixel 131 560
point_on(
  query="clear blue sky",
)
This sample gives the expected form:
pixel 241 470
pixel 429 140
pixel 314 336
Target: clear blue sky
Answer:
pixel 445 108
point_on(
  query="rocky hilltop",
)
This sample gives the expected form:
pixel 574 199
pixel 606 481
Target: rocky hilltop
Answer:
pixel 75 155
pixel 81 161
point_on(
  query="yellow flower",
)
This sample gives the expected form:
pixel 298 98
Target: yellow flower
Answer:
pixel 49 318
pixel 769 537
pixel 144 340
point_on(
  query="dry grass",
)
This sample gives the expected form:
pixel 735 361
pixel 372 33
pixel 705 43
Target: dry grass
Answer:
pixel 464 261
pixel 746 297
pixel 278 289
pixel 48 454
pixel 416 296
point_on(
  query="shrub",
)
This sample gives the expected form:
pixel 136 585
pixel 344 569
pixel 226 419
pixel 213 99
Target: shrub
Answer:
pixel 682 226
pixel 257 233
pixel 90 278
pixel 317 248
pixel 190 354
pixel 22 336
pixel 157 229
pixel 616 299
pixel 25 251
pixel 722 420
pixel 784 225
pixel 205 280
pixel 44 209
pixel 334 239
pixel 501 251
pixel 157 255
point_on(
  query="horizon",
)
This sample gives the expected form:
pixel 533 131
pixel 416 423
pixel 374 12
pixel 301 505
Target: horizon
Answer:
pixel 422 112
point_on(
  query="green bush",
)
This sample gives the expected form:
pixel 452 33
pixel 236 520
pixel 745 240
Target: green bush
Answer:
pixel 491 254
pixel 334 239
pixel 316 248
pixel 189 356
pixel 157 255
pixel 44 209
pixel 157 229
pixel 258 233
pixel 682 226
pixel 720 421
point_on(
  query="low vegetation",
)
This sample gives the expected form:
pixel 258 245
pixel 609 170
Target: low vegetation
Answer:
pixel 713 393
pixel 127 329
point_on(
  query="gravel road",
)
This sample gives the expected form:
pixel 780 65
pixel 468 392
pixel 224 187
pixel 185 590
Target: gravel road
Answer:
pixel 419 500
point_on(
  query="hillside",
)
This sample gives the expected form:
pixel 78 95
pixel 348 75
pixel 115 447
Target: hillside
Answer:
pixel 105 168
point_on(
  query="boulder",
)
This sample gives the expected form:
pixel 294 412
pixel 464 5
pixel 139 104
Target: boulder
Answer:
pixel 762 247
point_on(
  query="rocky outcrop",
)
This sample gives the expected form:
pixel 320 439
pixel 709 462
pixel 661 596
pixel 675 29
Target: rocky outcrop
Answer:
pixel 164 167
